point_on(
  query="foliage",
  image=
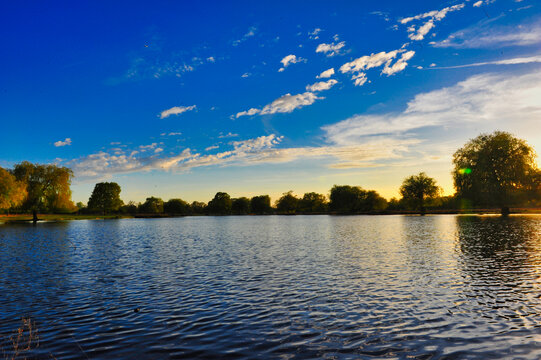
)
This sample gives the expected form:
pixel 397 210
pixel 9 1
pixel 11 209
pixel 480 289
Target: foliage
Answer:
pixel 240 206
pixel 152 205
pixel 129 208
pixel 261 204
pixel 313 203
pixel 288 203
pixel 105 198
pixel 176 206
pixel 48 186
pixel 353 199
pixel 495 169
pixel 417 189
pixel 12 192
pixel 198 207
pixel 221 204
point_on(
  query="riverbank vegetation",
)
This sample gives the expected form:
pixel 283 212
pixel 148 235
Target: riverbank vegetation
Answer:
pixel 492 171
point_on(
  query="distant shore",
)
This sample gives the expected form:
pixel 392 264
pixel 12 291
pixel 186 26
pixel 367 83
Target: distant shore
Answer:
pixel 59 217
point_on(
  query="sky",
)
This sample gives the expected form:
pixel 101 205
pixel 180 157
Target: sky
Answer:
pixel 188 98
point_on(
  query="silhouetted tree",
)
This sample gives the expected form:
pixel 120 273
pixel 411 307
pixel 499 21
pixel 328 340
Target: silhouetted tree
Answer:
pixel 240 206
pixel 176 206
pixel 129 208
pixel 493 168
pixel 48 187
pixel 353 199
pixel 152 205
pixel 220 204
pixel 105 198
pixel 198 207
pixel 12 192
pixel 417 189
pixel 313 203
pixel 261 204
pixel 287 203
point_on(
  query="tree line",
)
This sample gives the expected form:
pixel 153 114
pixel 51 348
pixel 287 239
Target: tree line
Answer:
pixel 492 170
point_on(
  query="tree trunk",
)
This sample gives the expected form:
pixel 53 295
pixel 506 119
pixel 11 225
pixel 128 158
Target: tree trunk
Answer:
pixel 505 210
pixel 34 216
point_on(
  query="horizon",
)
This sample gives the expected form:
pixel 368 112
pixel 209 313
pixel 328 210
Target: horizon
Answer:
pixel 183 100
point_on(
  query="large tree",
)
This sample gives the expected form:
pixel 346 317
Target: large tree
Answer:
pixel 493 169
pixel 152 205
pixel 353 199
pixel 313 203
pixel 261 204
pixel 417 189
pixel 176 206
pixel 105 198
pixel 48 187
pixel 221 204
pixel 287 203
pixel 240 206
pixel 12 192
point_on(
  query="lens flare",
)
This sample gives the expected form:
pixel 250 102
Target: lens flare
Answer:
pixel 464 171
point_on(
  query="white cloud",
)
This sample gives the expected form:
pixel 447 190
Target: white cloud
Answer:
pixel 359 79
pixel 486 35
pixel 158 150
pixel 211 59
pixel 249 112
pixel 211 147
pixel 245 75
pixel 418 32
pixel 326 74
pixel 249 34
pixel 368 61
pixel 321 86
pixel 434 14
pixel 290 59
pixel 228 135
pixel 177 110
pixel 478 3
pixel 314 35
pixel 66 142
pixel 490 101
pixel 399 65
pixel 330 49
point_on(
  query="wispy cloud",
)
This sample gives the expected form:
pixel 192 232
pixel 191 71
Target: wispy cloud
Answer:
pixel 485 35
pixel 250 33
pixel 284 104
pixel 177 110
pixel 488 100
pixel 60 143
pixel 512 61
pixel 314 35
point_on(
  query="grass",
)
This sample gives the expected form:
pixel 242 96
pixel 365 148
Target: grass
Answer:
pixel 23 341
pixel 55 217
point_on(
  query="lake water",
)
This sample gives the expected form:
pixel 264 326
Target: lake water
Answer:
pixel 433 287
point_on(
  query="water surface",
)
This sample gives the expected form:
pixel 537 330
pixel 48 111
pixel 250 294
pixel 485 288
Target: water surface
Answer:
pixel 433 287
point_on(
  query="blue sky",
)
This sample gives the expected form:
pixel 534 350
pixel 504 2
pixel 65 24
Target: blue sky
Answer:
pixel 184 99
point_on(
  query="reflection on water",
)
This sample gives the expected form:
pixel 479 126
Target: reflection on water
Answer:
pixel 277 287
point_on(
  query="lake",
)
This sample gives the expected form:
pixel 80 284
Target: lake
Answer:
pixel 336 287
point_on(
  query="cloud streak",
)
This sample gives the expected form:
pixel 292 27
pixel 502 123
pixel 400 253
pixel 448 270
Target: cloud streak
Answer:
pixel 177 110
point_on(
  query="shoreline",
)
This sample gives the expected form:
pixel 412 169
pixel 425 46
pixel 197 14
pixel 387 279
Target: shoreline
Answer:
pixel 24 218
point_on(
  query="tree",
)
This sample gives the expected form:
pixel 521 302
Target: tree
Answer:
pixel 288 203
pixel 313 203
pixel 198 207
pixel 221 204
pixel 105 198
pixel 493 169
pixel 353 199
pixel 152 205
pixel 176 206
pixel 12 192
pixel 261 204
pixel 240 206
pixel 416 189
pixel 48 187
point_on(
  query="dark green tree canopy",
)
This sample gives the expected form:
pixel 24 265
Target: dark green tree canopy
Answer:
pixel 353 199
pixel 48 186
pixel 493 169
pixel 176 206
pixel 240 206
pixel 261 204
pixel 105 198
pixel 198 207
pixel 221 204
pixel 287 203
pixel 313 203
pixel 416 189
pixel 152 205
